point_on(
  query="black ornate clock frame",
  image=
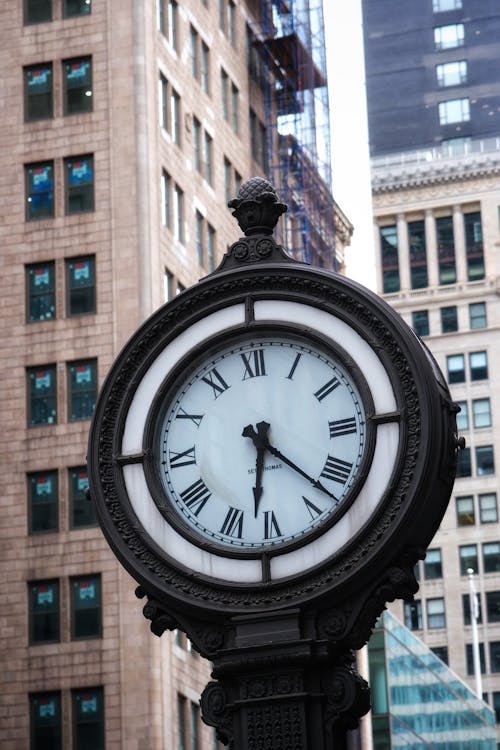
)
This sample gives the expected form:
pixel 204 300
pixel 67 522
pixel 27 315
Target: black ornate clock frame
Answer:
pixel 283 651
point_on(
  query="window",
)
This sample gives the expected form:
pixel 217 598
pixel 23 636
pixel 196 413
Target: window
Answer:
pixel 80 285
pixel 464 466
pixel 493 606
pixel 474 246
pixel 42 395
pixel 455 365
pixel 418 254
pixel 463 416
pixel 433 566
pixel 455 146
pixel 82 389
pixel 449 319
pixel 178 214
pixel 76 8
pixel 231 21
pixel 258 140
pixel 197 144
pixel 166 186
pixel 491 557
pixel 413 615
pixel 466 609
pixel 44 611
pixel 199 236
pixel 446 249
pixel 210 247
pixel 79 184
pixel 481 412
pixel 436 617
pixel 470 658
pixel 485 461
pixel 227 179
pixel 39 180
pixel 195 52
pixel 40 292
pixel 205 69
pixel 446 37
pixel 420 322
pixel 468 558
pixel 496 706
pixel 168 21
pixel 43 497
pixel 465 511
pixel 441 5
pixel 452 73
pixel 82 512
pixel 77 85
pixel 88 718
pixel 478 363
pixel 224 80
pixel 454 110
pixel 45 721
pixel 477 315
pixel 390 262
pixel 441 652
pixel 488 511
pixel 171 286
pixel 208 157
pixel 170 110
pixel 37 11
pixel 86 608
pixel 495 656
pixel 194 716
pixel 181 722
pixel 235 107
pixel 38 92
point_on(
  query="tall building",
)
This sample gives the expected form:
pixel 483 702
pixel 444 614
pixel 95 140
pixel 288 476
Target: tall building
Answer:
pixel 434 124
pixel 126 127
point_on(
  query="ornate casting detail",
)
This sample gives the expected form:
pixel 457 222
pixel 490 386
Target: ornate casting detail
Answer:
pixel 216 712
pixel 257 207
pixel 348 698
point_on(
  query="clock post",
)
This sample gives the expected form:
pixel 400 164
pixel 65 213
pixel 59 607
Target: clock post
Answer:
pixel 270 455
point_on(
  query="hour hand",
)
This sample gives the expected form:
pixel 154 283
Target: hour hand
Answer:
pixel 259 439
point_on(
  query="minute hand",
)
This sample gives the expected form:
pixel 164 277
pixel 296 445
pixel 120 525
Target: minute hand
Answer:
pixel 315 482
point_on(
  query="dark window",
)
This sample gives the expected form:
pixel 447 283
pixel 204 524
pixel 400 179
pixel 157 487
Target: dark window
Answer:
pixel 464 466
pixel 82 387
pixel 38 92
pixel 495 656
pixel 491 557
pixel 79 185
pixel 413 615
pixel 470 659
pixel 41 294
pixel 467 610
pixel 468 558
pixel 80 285
pixel 43 498
pixel 199 222
pixel 477 315
pixel 496 707
pixel 485 462
pixel 211 247
pixel 478 363
pixel 207 157
pixel 86 609
pixel 45 721
pixel 446 250
pixel 420 322
pixel 168 20
pixel 436 616
pixel 433 566
pixel 37 11
pixel 166 187
pixel 441 652
pixel 194 39
pixel 465 511
pixel 418 255
pixel 181 722
pixel 258 140
pixel 390 262
pixel 39 179
pixel 449 319
pixel 88 718
pixel 488 511
pixel 194 723
pixel 178 213
pixel 455 365
pixel 76 8
pixel 42 396
pixel 493 606
pixel 82 512
pixel 44 611
pixel 77 85
pixel 474 246
pixel 205 68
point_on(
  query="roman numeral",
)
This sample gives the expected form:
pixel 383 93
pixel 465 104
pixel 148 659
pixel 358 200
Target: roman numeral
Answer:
pixel 254 364
pixel 294 366
pixel 195 496
pixel 271 528
pixel 215 380
pixel 233 523
pixel 196 418
pixel 314 511
pixel 326 389
pixel 336 470
pixel 186 458
pixel 342 427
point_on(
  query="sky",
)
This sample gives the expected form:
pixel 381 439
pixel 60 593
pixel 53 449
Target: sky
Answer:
pixel 350 154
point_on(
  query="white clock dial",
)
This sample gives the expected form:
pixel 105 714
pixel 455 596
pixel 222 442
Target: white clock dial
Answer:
pixel 261 442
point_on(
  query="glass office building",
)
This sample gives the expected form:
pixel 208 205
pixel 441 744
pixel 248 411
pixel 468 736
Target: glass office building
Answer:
pixel 418 702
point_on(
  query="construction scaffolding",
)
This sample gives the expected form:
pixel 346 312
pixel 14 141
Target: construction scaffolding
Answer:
pixel 291 68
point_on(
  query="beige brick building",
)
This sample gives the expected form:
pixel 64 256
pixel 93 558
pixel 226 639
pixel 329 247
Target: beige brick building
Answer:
pixel 125 129
pixel 438 237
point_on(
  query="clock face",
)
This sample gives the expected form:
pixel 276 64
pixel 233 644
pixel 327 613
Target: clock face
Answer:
pixel 259 442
